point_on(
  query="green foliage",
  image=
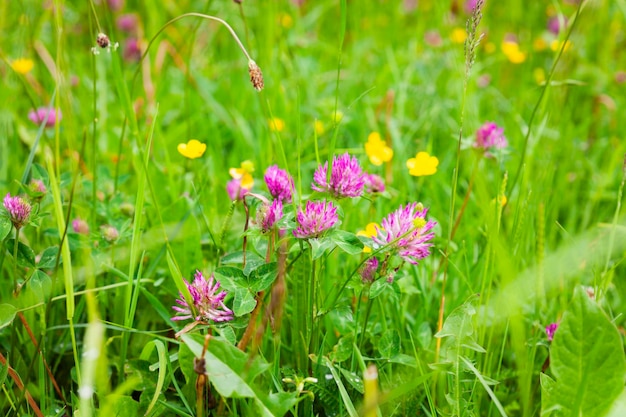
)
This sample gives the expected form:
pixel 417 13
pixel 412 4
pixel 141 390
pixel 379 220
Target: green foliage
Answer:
pixel 587 362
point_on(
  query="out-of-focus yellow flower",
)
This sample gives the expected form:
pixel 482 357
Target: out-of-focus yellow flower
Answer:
pixel 337 116
pixel 422 164
pixel 276 124
pixel 319 128
pixel 556 45
pixel 377 150
pixel 512 52
pixel 490 47
pixel 244 173
pixel 192 149
pixel 500 199
pixel 540 75
pixel 370 231
pixel 458 35
pixel 22 65
pixel 286 20
pixel 540 44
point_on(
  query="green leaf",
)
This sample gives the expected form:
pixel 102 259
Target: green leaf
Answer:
pixel 345 397
pixel 244 302
pixel 7 314
pixel 232 374
pixel 348 242
pixel 378 287
pixel 41 285
pixel 25 255
pixel 262 277
pixel 231 278
pixel 353 379
pixel 5 227
pixel 343 349
pixel 319 247
pixel 48 258
pixel 586 359
pixel 4 371
pixel 389 343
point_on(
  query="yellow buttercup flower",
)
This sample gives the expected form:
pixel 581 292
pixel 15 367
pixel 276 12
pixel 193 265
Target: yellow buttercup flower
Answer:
pixel 286 20
pixel 422 164
pixel 458 35
pixel 319 128
pixel 512 52
pixel 377 150
pixel 192 149
pixel 276 124
pixel 244 173
pixel 556 45
pixel 22 65
pixel 539 44
pixel 370 231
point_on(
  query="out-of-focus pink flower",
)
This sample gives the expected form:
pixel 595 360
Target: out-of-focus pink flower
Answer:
pixel 374 183
pixel 80 226
pixel 368 271
pixel 45 114
pixel 235 190
pixel 132 52
pixel 127 23
pixel 550 330
pixel 490 135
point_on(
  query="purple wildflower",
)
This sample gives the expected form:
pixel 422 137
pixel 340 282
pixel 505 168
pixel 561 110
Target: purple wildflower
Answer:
pixel 80 226
pixel 132 52
pixel 489 135
pixel 315 219
pixel 234 189
pixel 346 177
pixel 368 271
pixel 19 210
pixel 407 232
pixel 37 186
pixel 470 5
pixel 554 24
pixel 279 183
pixel 374 183
pixel 269 214
pixel 127 23
pixel 207 302
pixel 47 114
pixel 550 330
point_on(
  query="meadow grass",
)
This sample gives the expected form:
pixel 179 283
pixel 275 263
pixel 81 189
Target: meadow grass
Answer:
pixel 526 235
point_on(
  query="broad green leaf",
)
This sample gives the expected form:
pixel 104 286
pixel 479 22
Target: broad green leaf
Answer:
pixel 262 277
pixel 343 349
pixel 231 278
pixel 378 287
pixel 7 314
pixel 25 255
pixel 389 343
pixel 586 359
pixel 232 374
pixel 319 247
pixel 244 302
pixel 41 285
pixel 48 258
pixel 5 227
pixel 353 379
pixel 348 242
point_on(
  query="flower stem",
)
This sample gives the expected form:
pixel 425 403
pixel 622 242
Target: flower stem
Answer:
pixel 15 246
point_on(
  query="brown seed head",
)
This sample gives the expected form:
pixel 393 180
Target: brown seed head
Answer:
pixel 256 76
pixel 103 40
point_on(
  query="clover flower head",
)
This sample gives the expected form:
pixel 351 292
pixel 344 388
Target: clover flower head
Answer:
pixel 269 214
pixel 374 184
pixel 377 150
pixel 279 183
pixel 192 149
pixel 207 301
pixel 109 233
pixel 47 115
pixel 368 271
pixel 37 186
pixel 236 191
pixel 407 233
pixel 316 218
pixel 423 164
pixel 19 210
pixel 550 330
pixel 346 177
pixel 80 226
pixel 490 135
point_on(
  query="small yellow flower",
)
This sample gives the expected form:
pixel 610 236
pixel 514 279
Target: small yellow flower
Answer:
pixel 458 35
pixel 377 150
pixel 337 116
pixel 192 149
pixel 556 45
pixel 319 128
pixel 540 75
pixel 370 231
pixel 422 164
pixel 490 47
pixel 539 44
pixel 244 173
pixel 276 124
pixel 500 199
pixel 286 20
pixel 512 52
pixel 22 65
